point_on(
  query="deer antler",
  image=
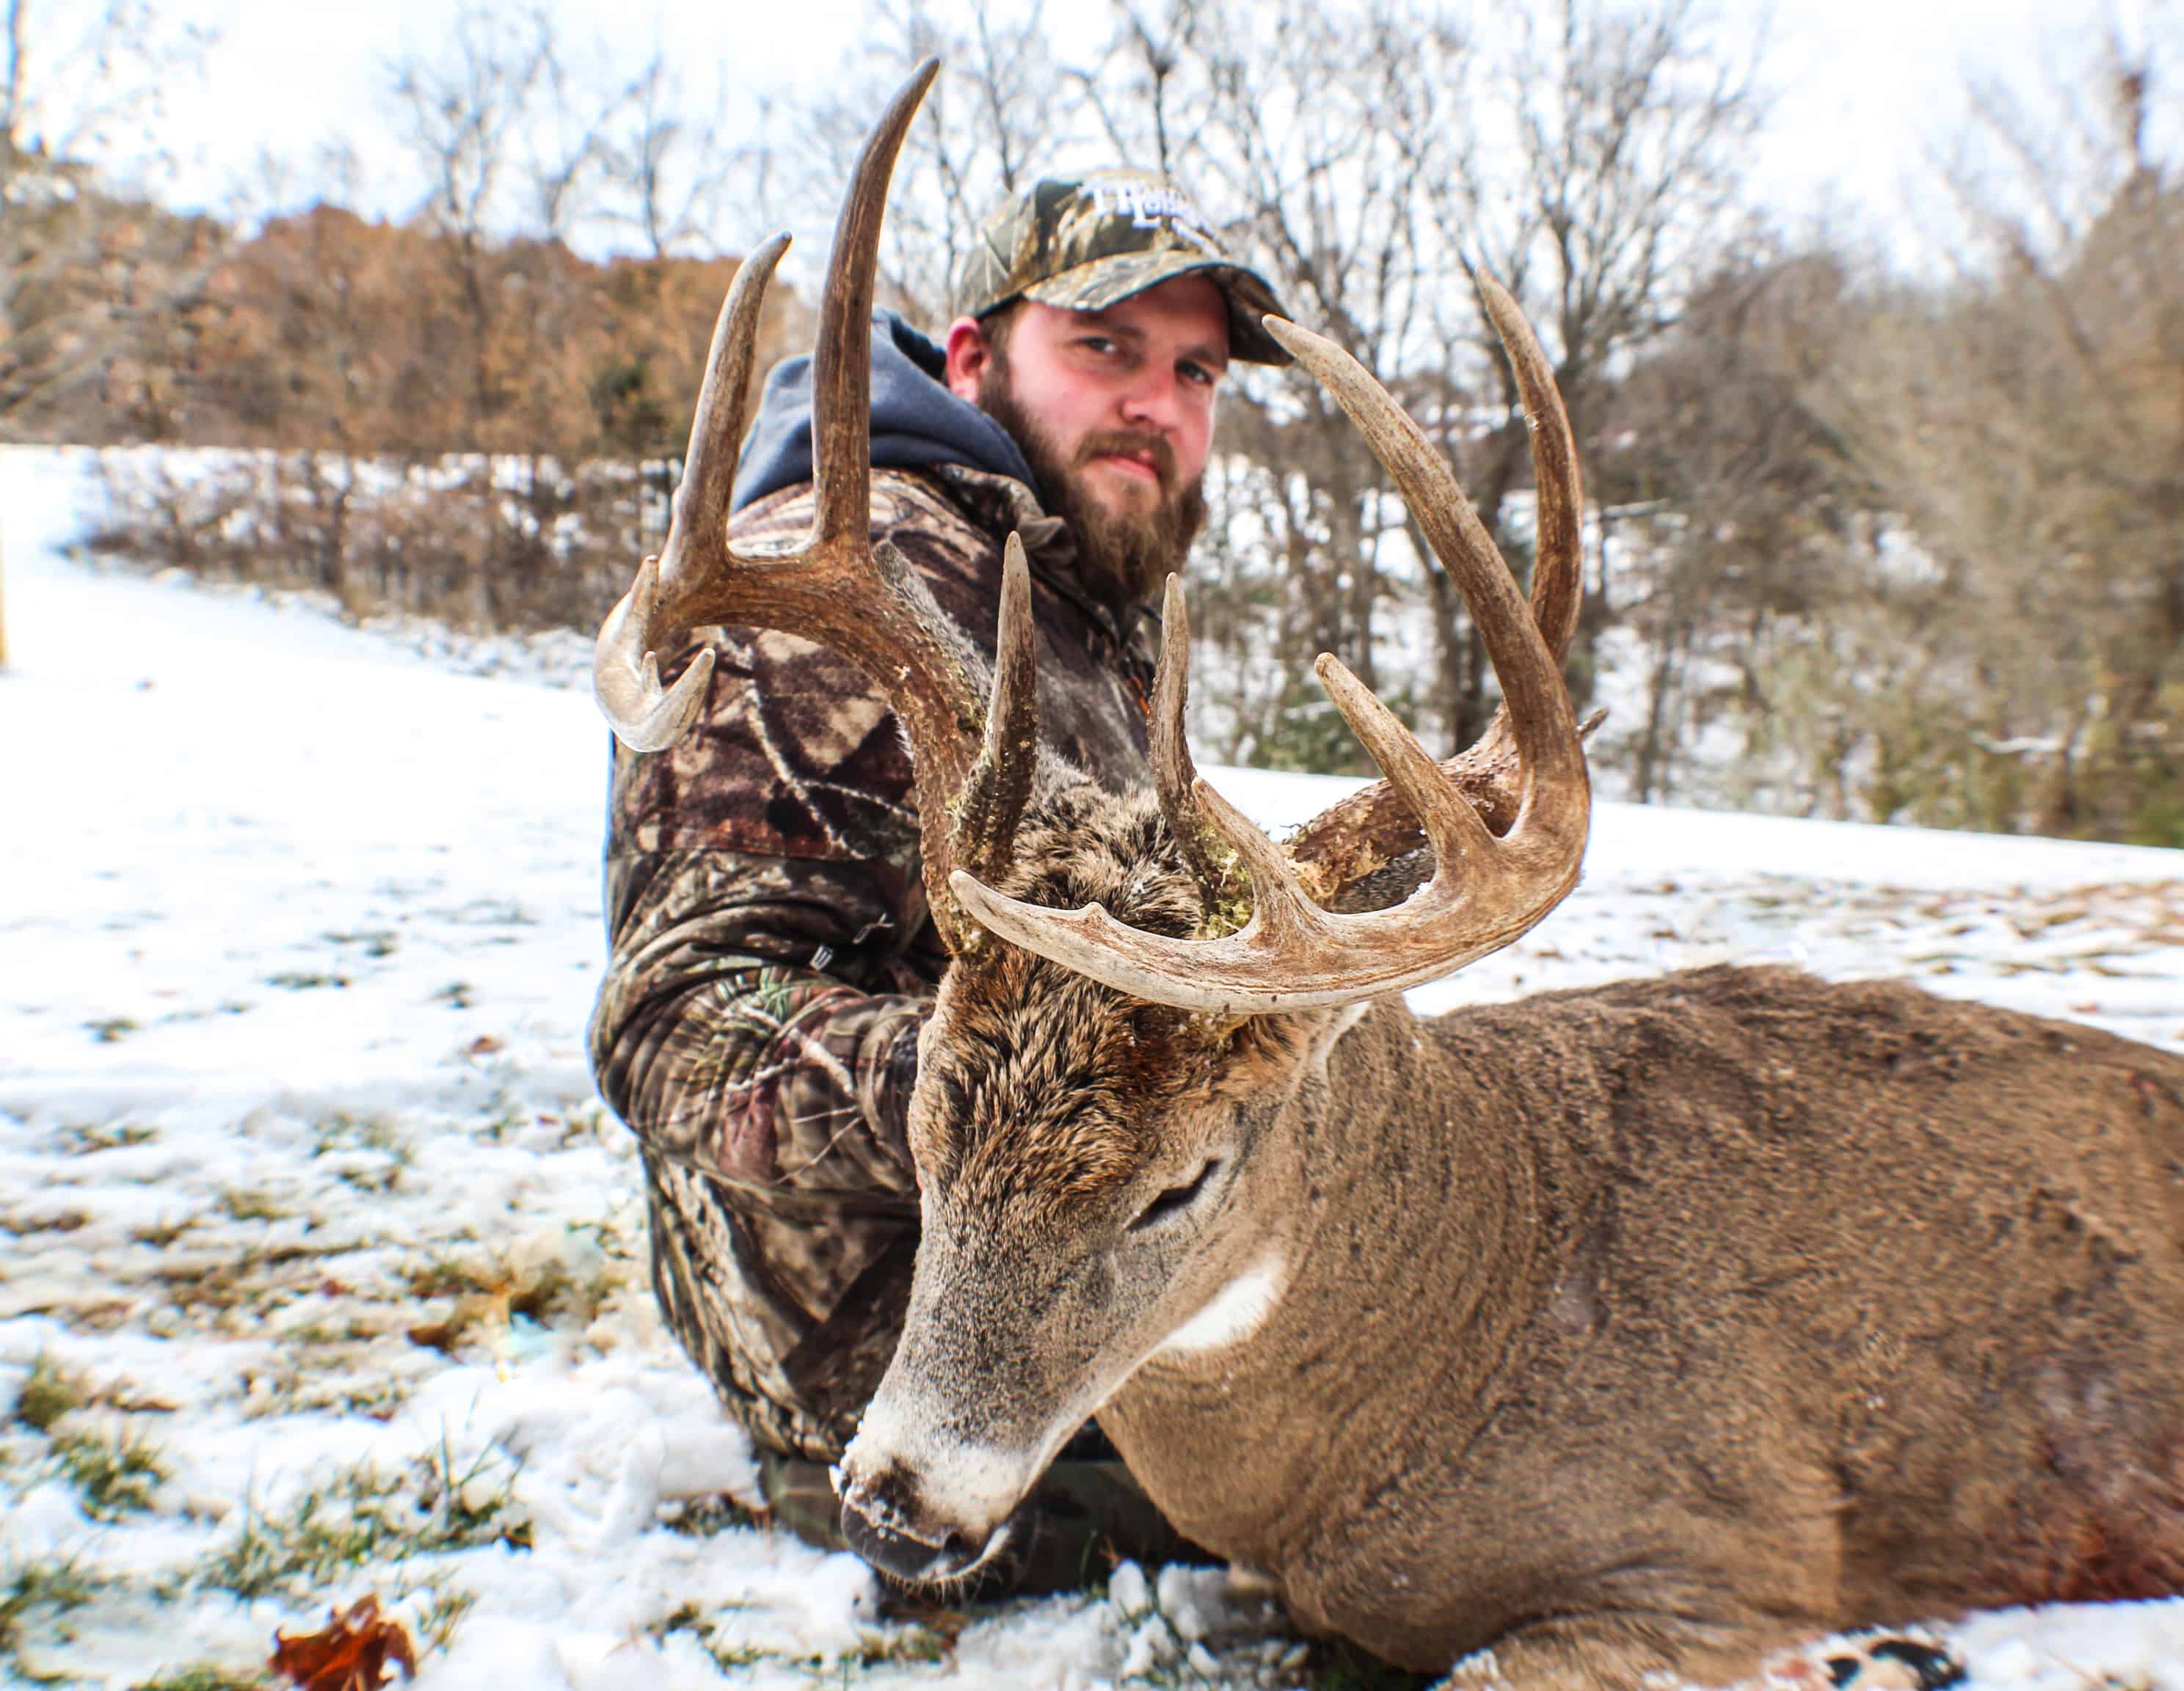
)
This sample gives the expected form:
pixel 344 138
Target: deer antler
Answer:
pixel 1353 840
pixel 1485 890
pixel 862 601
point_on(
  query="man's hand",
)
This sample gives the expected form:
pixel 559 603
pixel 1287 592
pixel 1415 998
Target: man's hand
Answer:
pixel 886 1070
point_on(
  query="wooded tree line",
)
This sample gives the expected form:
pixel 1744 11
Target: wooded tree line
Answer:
pixel 1867 542
pixel 455 413
pixel 480 431
pixel 1915 548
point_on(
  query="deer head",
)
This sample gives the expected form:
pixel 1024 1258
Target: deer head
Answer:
pixel 1105 1117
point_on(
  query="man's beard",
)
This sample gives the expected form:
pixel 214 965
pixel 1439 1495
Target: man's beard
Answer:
pixel 1123 558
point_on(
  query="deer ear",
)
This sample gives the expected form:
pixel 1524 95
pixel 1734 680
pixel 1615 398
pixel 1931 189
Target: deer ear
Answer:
pixel 1264 1052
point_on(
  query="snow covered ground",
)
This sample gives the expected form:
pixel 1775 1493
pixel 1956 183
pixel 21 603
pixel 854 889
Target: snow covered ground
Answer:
pixel 321 1267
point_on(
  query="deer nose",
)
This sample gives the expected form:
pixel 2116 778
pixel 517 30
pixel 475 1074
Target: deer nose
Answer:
pixel 886 1522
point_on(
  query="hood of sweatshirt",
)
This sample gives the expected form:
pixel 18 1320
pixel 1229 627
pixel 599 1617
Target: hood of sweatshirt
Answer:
pixel 916 422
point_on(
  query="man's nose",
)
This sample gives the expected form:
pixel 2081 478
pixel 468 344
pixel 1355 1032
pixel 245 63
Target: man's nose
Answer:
pixel 1154 400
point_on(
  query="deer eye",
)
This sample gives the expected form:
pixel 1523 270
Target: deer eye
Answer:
pixel 1177 1199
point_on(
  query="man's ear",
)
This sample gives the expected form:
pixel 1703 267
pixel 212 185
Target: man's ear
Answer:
pixel 970 355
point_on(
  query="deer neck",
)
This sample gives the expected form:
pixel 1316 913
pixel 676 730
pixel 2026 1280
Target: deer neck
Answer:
pixel 1393 1216
pixel 1402 1177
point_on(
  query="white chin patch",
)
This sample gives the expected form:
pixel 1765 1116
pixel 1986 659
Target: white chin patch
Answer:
pixel 1234 1312
pixel 975 1484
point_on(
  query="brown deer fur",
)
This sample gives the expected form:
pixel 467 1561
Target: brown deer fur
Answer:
pixel 1648 1327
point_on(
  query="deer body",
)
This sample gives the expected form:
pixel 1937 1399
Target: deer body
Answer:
pixel 1624 1332
pixel 1689 1315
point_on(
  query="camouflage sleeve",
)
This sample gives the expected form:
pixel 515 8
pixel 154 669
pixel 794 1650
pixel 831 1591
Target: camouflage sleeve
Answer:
pixel 771 957
pixel 731 1032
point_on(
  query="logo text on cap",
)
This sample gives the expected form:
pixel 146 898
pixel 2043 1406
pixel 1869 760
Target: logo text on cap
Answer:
pixel 1145 204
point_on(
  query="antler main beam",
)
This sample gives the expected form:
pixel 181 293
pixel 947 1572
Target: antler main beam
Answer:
pixel 1485 890
pixel 1371 829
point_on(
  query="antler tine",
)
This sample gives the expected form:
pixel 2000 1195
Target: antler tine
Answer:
pixel 625 666
pixel 999 786
pixel 1558 552
pixel 1174 776
pixel 843 590
pixel 1455 830
pixel 716 426
pixel 841 361
pixel 1371 829
pixel 1485 891
pixel 1531 682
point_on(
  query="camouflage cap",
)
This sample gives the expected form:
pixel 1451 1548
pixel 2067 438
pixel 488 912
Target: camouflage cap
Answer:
pixel 1083 242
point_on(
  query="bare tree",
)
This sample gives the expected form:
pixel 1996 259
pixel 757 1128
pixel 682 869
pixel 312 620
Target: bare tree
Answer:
pixel 1142 90
pixel 567 151
pixel 464 112
pixel 1600 178
pixel 84 85
pixel 92 282
pixel 465 108
pixel 2020 421
pixel 1735 523
pixel 1329 125
pixel 666 166
pixel 1002 112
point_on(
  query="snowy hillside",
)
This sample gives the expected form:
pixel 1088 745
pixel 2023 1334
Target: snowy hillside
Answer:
pixel 321 1267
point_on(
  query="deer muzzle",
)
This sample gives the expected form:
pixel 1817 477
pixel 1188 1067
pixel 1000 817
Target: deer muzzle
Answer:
pixel 926 1510
pixel 890 1523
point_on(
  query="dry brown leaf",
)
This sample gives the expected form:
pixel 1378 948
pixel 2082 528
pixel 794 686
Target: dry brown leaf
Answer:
pixel 351 1654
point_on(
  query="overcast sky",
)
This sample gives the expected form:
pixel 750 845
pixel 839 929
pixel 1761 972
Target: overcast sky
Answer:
pixel 1865 88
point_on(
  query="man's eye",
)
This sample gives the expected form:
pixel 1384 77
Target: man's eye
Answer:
pixel 1099 344
pixel 1198 374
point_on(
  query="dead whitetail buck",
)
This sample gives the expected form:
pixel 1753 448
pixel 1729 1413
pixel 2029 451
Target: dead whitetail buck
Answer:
pixel 1646 1328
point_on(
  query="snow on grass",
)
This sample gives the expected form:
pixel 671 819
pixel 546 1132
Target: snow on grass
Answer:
pixel 323 1266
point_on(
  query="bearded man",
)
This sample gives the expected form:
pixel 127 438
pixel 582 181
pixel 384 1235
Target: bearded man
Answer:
pixel 772 958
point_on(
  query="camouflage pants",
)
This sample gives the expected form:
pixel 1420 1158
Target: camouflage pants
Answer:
pixel 792 1308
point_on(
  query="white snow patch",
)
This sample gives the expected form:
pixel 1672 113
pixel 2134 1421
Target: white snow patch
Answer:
pixel 303 1180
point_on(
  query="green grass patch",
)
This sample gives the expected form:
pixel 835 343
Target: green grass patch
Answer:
pixel 52 1586
pixel 365 1515
pixel 204 1676
pixel 208 1287
pixel 249 1205
pixel 441 1612
pixel 1338 1666
pixel 707 1517
pixel 119 1473
pixel 49 1393
pixel 81 1139
pixel 917 1644
pixel 375 942
pixel 342 1131
pixel 61 1221
pixel 443 1276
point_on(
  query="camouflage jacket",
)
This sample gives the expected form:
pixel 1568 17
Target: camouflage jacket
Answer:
pixel 772 957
